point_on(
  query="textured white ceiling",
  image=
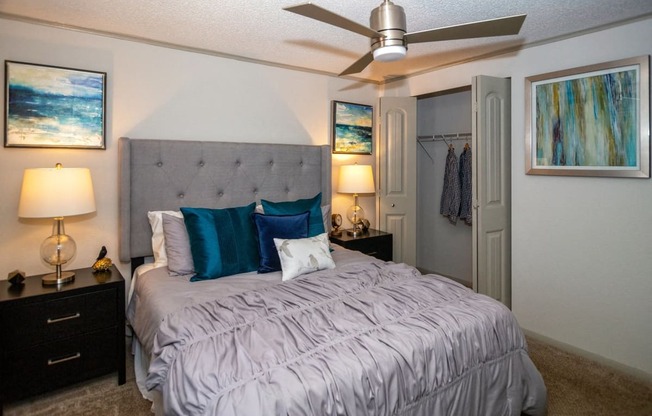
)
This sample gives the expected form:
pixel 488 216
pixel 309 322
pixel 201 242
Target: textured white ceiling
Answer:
pixel 259 30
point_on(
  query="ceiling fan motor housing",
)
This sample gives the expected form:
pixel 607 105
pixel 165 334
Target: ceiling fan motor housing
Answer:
pixel 389 20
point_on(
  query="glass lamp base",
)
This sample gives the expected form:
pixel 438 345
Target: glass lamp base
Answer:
pixel 55 279
pixel 57 250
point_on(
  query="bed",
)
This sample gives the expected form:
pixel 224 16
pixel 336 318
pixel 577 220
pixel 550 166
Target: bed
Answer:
pixel 356 336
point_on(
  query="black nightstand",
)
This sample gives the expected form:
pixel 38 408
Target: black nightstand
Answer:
pixel 53 336
pixel 373 242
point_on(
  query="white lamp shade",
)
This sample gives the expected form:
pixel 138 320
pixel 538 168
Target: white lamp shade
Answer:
pixel 56 192
pixel 356 179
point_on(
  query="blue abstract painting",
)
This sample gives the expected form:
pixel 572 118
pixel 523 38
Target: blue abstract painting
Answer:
pixel 54 107
pixel 352 128
pixel 588 121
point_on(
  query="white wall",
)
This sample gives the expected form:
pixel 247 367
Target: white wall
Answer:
pixel 582 256
pixel 582 263
pixel 442 247
pixel 155 92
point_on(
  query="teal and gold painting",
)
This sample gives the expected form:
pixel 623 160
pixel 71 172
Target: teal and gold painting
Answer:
pixel 592 121
pixel 352 128
pixel 54 107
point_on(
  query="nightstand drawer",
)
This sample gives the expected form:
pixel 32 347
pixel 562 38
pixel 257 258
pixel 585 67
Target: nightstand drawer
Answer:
pixel 374 243
pixel 376 248
pixel 44 367
pixel 33 323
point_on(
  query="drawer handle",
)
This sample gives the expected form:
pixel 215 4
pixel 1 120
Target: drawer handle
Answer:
pixel 64 359
pixel 63 318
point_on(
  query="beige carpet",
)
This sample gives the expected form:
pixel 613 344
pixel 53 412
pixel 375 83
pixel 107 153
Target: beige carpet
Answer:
pixel 576 387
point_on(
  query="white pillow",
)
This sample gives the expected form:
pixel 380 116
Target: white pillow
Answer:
pixel 158 239
pixel 326 217
pixel 304 255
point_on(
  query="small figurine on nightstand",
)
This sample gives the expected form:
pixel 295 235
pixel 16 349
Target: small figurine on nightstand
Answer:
pixel 101 267
pixel 102 263
pixel 16 278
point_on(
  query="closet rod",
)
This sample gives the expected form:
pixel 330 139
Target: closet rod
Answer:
pixel 445 137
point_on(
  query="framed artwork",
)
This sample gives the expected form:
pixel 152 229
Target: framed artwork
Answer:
pixel 590 121
pixel 352 128
pixel 54 107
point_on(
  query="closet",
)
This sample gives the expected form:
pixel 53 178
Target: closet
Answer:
pixel 443 120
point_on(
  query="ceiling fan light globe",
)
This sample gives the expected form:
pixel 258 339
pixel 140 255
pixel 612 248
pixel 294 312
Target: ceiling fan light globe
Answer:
pixel 390 53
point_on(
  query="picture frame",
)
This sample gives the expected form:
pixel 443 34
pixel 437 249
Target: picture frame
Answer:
pixel 590 121
pixel 352 128
pixel 54 107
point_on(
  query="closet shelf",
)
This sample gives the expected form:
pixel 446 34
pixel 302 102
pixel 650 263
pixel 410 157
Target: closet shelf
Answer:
pixel 444 137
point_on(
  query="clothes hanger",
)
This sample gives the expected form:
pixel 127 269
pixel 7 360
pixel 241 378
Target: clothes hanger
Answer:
pixel 450 145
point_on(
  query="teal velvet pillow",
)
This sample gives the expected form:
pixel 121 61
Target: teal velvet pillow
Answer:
pixel 315 224
pixel 222 241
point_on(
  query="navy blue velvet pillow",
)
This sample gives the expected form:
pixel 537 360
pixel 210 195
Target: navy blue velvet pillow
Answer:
pixel 222 241
pixel 315 224
pixel 277 226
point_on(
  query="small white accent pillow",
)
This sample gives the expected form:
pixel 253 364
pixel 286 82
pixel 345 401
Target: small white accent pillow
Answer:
pixel 158 239
pixel 304 255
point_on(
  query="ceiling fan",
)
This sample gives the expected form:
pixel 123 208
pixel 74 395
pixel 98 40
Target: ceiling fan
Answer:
pixel 388 35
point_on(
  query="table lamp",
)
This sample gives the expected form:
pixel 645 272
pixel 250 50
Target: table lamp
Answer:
pixel 356 179
pixel 57 193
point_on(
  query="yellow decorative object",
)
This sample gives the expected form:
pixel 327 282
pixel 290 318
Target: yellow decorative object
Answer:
pixel 102 264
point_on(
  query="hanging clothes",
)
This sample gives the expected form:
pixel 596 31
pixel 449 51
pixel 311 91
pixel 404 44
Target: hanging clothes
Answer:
pixel 451 195
pixel 466 206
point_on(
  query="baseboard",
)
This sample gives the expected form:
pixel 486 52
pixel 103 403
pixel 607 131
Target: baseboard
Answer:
pixel 631 371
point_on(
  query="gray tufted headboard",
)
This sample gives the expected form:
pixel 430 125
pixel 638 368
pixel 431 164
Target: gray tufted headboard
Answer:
pixel 168 174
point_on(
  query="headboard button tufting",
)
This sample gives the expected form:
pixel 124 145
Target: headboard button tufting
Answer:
pixel 213 174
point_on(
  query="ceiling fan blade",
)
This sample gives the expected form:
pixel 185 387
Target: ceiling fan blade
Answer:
pixel 325 16
pixel 359 65
pixel 501 26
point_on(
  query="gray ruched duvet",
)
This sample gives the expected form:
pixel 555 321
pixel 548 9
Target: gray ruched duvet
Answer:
pixel 364 339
